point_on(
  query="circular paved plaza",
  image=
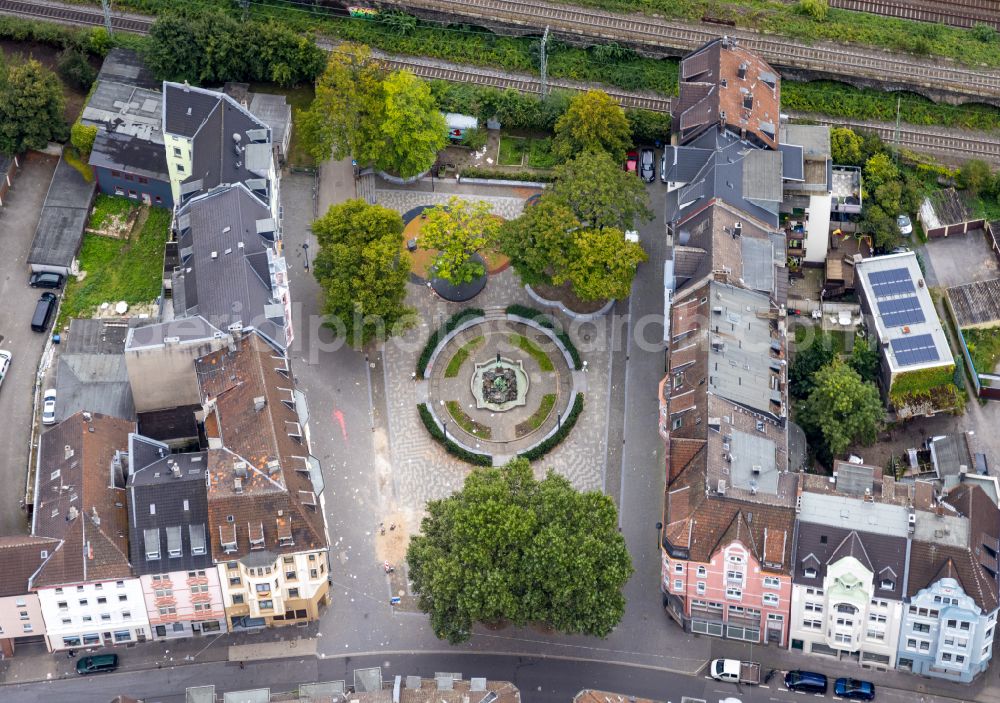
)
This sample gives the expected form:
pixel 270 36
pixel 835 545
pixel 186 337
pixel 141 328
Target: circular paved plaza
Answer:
pixel 500 408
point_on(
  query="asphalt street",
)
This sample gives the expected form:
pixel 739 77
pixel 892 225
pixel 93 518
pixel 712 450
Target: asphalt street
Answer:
pixel 18 219
pixel 540 680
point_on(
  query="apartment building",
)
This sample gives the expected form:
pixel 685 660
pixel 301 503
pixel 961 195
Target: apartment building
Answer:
pixel 169 541
pixel 729 503
pixel 950 616
pixel 265 489
pixel 211 140
pixel 20 611
pixel 86 590
pixel 851 557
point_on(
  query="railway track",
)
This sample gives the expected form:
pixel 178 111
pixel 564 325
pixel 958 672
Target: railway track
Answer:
pixel 66 14
pixel 937 141
pixel 957 13
pixel 825 58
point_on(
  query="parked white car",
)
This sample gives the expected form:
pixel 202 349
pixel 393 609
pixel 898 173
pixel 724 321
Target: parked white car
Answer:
pixel 904 224
pixel 49 407
pixel 5 357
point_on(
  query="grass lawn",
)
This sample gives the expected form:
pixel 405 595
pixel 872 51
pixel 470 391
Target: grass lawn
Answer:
pixel 526 345
pixel 107 207
pixel 512 150
pixel 540 153
pixel 119 269
pixel 300 98
pixel 537 417
pixel 806 332
pixel 466 422
pixel 455 365
pixel 984 347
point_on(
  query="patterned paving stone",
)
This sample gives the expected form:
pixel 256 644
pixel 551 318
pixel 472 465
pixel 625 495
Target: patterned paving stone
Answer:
pixel 424 471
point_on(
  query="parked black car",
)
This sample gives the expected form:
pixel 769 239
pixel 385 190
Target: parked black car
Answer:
pixel 805 681
pixel 97 663
pixel 647 165
pixel 44 308
pixel 45 279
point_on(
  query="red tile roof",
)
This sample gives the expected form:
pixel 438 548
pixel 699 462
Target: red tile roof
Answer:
pixel 260 478
pixel 80 499
pixel 21 557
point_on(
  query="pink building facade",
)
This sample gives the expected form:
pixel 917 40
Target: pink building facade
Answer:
pixel 184 603
pixel 731 595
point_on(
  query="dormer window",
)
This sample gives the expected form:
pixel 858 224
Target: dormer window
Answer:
pixel 887 585
pixel 809 572
pixel 227 538
pixel 151 539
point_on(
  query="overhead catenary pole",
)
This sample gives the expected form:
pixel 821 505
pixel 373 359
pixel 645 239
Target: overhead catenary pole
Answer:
pixel 895 134
pixel 545 62
pixel 106 6
pixel 245 4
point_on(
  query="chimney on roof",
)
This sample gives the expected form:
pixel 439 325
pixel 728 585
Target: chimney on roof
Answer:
pixel 72 514
pixel 238 484
pixel 90 550
pixel 87 417
pixel 67 452
pixel 273 466
pixel 187 89
pixel 175 470
pixel 259 403
pixel 94 517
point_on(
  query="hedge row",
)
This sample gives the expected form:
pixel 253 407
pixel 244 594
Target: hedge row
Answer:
pixel 497 174
pixel 546 321
pixel 543 448
pixel 439 334
pixel 456 451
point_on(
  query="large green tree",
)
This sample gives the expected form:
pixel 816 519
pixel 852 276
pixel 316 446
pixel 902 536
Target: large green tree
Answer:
pixel 361 271
pixel 413 131
pixel 509 547
pixel 603 263
pixel 343 119
pixel 593 122
pixel 459 230
pixel 846 146
pixel 32 108
pixel 842 408
pixel 600 192
pixel 539 242
pixel 811 354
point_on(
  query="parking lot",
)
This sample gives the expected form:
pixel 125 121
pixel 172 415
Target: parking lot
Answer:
pixel 961 258
pixel 18 219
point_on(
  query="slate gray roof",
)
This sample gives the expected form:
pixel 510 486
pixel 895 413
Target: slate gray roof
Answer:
pixel 819 546
pixel 685 162
pixel 170 424
pixel 813 139
pixel 125 109
pixel 168 514
pixel 949 453
pixel 185 329
pixel 229 144
pixel 235 286
pixel 275 112
pixel 96 383
pixel 723 177
pixel 94 336
pixel 121 152
pixel 127 66
pixel 186 108
pixel 63 218
pixel 144 451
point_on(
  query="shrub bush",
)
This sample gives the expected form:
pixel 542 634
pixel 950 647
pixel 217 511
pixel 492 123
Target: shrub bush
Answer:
pixel 456 451
pixel 74 68
pixel 82 137
pixel 545 320
pixel 497 174
pixel 816 9
pixel 439 334
pixel 543 448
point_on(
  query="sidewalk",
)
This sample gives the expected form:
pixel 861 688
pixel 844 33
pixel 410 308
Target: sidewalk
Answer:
pixel 32 663
pixel 984 689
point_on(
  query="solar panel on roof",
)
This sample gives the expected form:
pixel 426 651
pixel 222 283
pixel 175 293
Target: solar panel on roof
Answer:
pixel 897 312
pixel 918 349
pixel 891 282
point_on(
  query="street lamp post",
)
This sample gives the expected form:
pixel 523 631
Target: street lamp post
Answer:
pixel 305 249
